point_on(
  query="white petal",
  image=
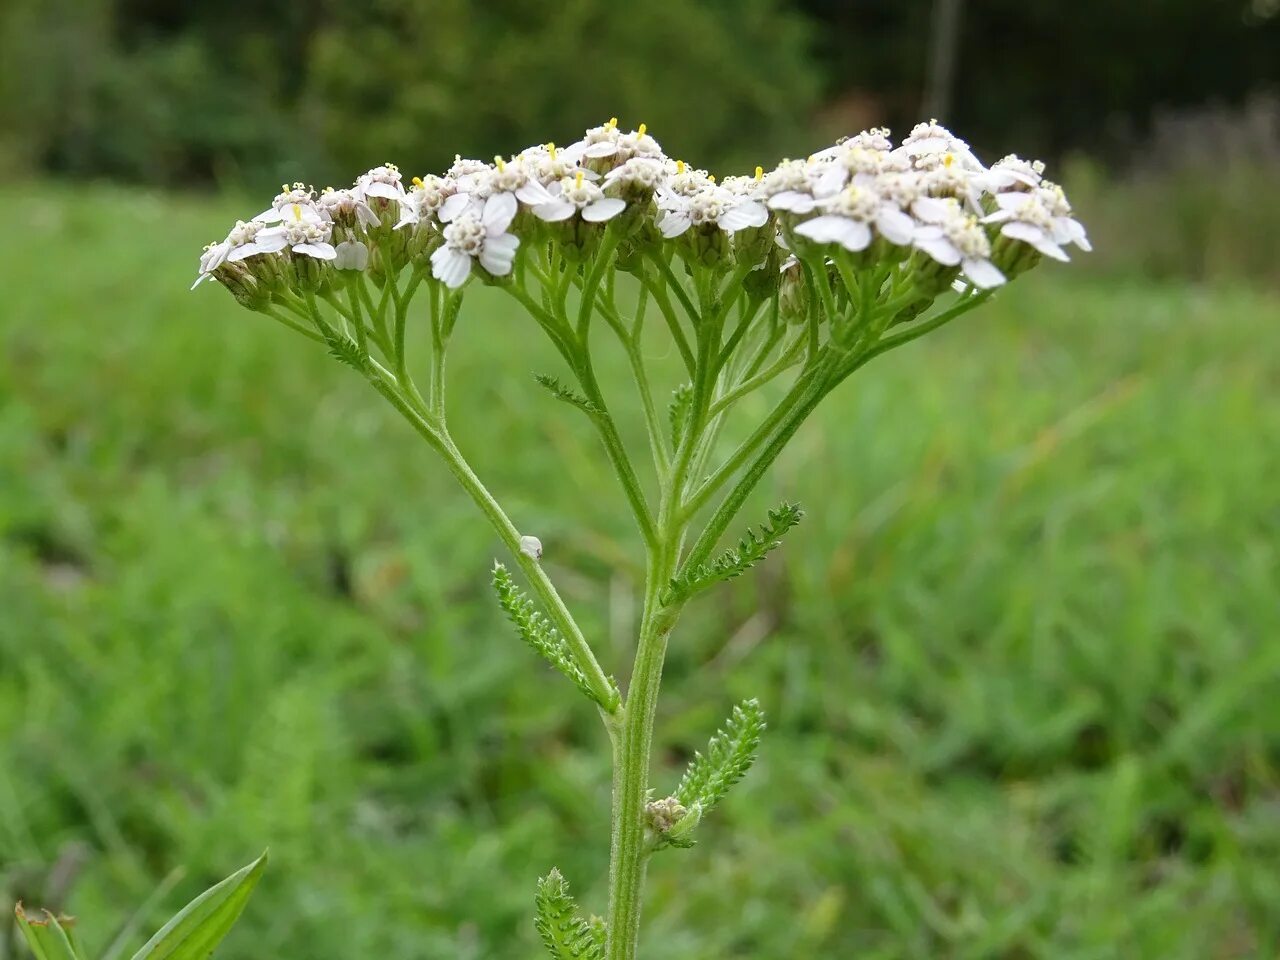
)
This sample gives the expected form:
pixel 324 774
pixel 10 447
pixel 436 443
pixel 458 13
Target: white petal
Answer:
pixel 497 257
pixel 246 250
pixel 269 216
pixel 385 190
pixel 499 210
pixel 533 193
pixel 792 200
pixel 555 210
pixel 940 249
pixel 851 234
pixel 1014 200
pixel 451 267
pixel 201 279
pixel 321 251
pixel 270 241
pixel 365 214
pixel 895 226
pixel 983 273
pixel 674 223
pixel 605 148
pixel 452 208
pixel 1034 236
pixel 749 213
pixel 603 210
pixel 352 255
pixel 932 209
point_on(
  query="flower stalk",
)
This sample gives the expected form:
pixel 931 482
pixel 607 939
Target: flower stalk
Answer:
pixel 815 268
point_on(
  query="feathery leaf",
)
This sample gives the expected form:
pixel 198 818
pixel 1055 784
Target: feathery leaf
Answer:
pixel 537 632
pixel 564 394
pixel 729 756
pixel 750 550
pixel 565 934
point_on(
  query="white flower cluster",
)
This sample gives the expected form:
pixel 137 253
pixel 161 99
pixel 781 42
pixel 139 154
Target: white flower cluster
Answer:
pixel 927 200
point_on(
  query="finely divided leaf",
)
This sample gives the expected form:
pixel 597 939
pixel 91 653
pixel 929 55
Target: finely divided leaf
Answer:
pixel 750 550
pixel 346 350
pixel 729 756
pixel 538 632
pixel 564 933
pixel 564 394
pixel 200 926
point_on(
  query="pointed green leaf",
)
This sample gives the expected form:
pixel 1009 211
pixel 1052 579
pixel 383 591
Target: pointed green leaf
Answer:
pixel 50 937
pixel 201 924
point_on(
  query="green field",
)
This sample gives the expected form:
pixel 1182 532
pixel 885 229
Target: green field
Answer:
pixel 1021 661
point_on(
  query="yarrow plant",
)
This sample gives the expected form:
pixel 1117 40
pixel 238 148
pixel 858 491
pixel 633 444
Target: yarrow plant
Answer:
pixel 789 279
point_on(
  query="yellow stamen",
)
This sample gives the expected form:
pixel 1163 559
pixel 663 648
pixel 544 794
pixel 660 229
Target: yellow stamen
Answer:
pixel 642 128
pixel 577 180
pixel 613 122
pixel 297 212
pixel 500 164
pixel 679 166
pixel 759 173
pixel 711 177
pixel 417 182
pixel 551 149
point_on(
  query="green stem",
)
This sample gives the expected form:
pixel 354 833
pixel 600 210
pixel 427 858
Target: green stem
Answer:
pixel 439 440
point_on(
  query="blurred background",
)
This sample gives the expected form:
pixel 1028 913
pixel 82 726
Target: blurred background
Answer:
pixel 1021 663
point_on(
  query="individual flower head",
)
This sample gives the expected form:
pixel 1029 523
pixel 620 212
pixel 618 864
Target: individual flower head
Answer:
pixel 709 205
pixel 424 199
pixel 639 177
pixel 298 195
pixel 637 143
pixel 959 240
pixel 930 143
pixel 548 164
pixel 383 182
pixel 479 236
pixel 579 195
pixel 790 186
pixel 343 206
pixel 513 178
pixel 947 180
pixel 849 216
pixel 301 235
pixel 597 143
pixel 1013 173
pixel 1042 219
pixel 245 240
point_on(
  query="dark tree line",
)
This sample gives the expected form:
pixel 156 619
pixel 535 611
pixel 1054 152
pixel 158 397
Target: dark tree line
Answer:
pixel 240 90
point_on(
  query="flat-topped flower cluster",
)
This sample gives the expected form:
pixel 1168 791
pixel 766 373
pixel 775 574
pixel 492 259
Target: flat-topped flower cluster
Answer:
pixel 927 203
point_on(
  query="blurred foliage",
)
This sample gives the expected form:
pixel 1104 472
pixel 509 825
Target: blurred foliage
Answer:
pixel 1199 200
pixel 1019 668
pixel 257 93
pixel 1043 79
pixel 166 93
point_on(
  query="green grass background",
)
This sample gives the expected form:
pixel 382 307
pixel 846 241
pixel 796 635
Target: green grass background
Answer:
pixel 1020 661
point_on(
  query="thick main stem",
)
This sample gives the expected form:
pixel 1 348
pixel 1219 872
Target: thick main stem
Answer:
pixel 631 753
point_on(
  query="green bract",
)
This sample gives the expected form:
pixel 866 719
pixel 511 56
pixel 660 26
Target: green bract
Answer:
pixel 787 281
